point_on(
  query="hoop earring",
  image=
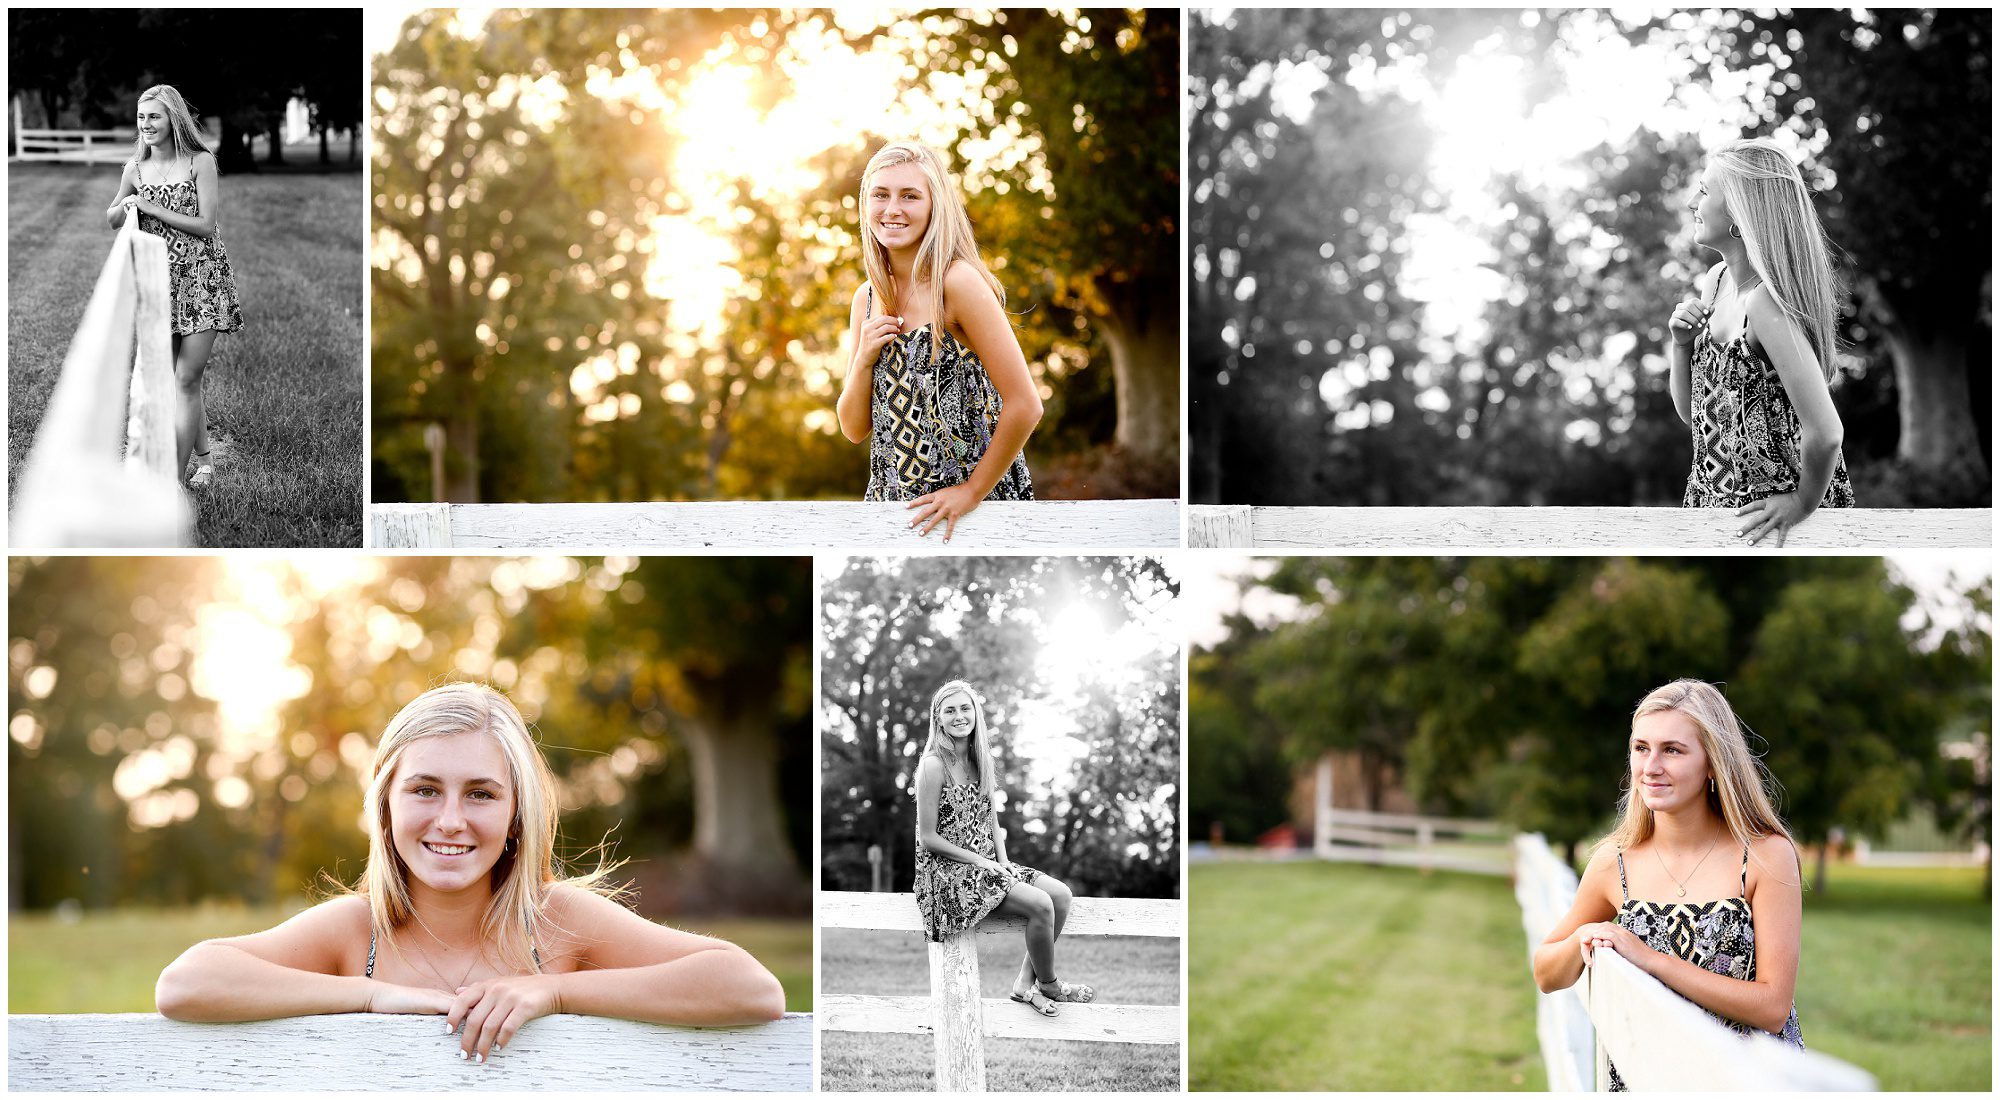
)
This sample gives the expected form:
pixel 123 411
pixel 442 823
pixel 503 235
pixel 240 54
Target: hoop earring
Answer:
pixel 1734 233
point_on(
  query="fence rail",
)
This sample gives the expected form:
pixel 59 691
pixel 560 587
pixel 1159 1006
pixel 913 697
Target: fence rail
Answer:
pixel 1402 840
pixel 149 1053
pixel 959 1018
pixel 1658 1039
pixel 773 524
pixel 101 470
pixel 1241 525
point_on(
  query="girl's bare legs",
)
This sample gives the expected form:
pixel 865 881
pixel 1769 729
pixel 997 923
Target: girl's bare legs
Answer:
pixel 1026 901
pixel 190 363
pixel 1059 896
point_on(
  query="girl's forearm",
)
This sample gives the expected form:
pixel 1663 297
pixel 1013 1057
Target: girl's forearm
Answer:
pixel 1009 436
pixel 718 987
pixel 852 408
pixel 1558 965
pixel 939 846
pixel 1758 1003
pixel 1679 383
pixel 216 983
pixel 1818 454
pixel 188 223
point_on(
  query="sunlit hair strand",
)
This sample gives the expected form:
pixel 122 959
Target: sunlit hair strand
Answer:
pixel 1768 200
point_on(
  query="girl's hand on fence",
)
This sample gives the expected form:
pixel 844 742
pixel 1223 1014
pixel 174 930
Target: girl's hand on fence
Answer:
pixel 1620 940
pixel 1773 515
pixel 1687 321
pixel 389 998
pixel 946 506
pixel 493 1010
pixel 876 332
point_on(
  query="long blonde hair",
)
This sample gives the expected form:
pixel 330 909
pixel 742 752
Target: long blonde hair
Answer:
pixel 939 744
pixel 947 239
pixel 181 127
pixel 525 874
pixel 1768 200
pixel 1744 794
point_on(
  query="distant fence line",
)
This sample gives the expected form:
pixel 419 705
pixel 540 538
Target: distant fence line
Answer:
pixel 1660 1040
pixel 1401 840
pixel 957 1017
pixel 792 525
pixel 101 470
pixel 144 1052
pixel 1248 526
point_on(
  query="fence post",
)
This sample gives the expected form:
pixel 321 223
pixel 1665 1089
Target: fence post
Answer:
pixel 410 526
pixel 156 398
pixel 1220 525
pixel 957 1018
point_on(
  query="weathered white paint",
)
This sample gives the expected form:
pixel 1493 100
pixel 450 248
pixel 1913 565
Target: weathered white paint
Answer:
pixel 76 490
pixel 148 1053
pixel 410 525
pixel 1575 528
pixel 789 525
pixel 1157 917
pixel 1658 1039
pixel 1157 1025
pixel 954 1014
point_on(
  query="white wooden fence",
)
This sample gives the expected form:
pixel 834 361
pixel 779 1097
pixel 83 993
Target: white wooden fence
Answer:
pixel 787 525
pixel 149 1053
pixel 101 471
pixel 1241 525
pixel 1403 840
pixel 1658 1039
pixel 956 1016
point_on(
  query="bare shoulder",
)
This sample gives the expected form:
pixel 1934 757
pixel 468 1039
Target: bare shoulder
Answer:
pixel 860 297
pixel 930 770
pixel 203 163
pixel 965 283
pixel 337 918
pixel 1599 871
pixel 1774 858
pixel 1708 284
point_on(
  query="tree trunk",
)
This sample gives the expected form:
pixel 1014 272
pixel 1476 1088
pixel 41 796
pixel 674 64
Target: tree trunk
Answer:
pixel 275 134
pixel 325 153
pixel 1143 334
pixel 354 145
pixel 1938 436
pixel 1819 867
pixel 737 824
pixel 461 448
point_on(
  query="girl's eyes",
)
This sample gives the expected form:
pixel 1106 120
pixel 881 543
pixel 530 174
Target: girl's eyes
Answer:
pixel 427 792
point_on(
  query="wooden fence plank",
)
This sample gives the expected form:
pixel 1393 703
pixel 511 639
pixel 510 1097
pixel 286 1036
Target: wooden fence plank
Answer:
pixel 1576 528
pixel 1155 917
pixel 146 1053
pixel 1106 524
pixel 957 1015
pixel 1003 1019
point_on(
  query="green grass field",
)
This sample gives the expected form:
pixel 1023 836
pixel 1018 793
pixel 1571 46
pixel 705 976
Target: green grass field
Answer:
pixel 284 394
pixel 1125 970
pixel 1348 978
pixel 108 962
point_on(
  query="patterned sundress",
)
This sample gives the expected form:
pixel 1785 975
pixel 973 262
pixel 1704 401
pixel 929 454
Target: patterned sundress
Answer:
pixel 1746 431
pixel 203 288
pixel 931 422
pixel 1718 936
pixel 954 896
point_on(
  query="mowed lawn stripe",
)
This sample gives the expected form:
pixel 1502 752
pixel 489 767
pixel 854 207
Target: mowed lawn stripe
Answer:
pixel 1315 977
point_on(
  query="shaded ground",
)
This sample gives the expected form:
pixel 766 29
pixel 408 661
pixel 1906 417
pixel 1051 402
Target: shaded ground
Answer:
pixel 286 390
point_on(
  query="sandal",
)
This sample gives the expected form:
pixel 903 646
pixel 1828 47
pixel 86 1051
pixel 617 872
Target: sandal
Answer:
pixel 1035 999
pixel 203 471
pixel 1070 992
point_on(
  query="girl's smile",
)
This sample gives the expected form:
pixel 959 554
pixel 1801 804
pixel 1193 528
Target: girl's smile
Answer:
pixel 899 206
pixel 451 810
pixel 152 123
pixel 1669 768
pixel 956 714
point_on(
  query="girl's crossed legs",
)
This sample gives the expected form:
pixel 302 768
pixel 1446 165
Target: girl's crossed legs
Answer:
pixel 1044 903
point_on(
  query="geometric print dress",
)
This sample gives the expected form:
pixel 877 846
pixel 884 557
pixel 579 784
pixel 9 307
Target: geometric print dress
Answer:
pixel 954 896
pixel 203 289
pixel 931 422
pixel 1746 431
pixel 1718 936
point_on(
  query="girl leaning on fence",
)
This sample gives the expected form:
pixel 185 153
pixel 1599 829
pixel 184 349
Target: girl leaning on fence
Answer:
pixel 936 382
pixel 171 184
pixel 1699 884
pixel 1752 351
pixel 962 869
pixel 461 913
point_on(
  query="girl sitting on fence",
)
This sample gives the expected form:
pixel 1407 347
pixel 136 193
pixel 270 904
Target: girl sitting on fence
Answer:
pixel 170 182
pixel 1693 791
pixel 460 911
pixel 962 868
pixel 1752 355
pixel 936 382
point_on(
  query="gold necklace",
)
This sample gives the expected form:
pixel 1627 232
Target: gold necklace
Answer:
pixel 1680 885
pixel 435 973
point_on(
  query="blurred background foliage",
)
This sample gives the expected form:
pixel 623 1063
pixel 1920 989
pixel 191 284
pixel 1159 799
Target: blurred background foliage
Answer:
pixel 187 730
pixel 1503 687
pixel 1425 268
pixel 1078 663
pixel 614 250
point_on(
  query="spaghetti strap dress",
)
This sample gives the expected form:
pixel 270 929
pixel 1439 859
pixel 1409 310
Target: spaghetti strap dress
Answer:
pixel 1746 430
pixel 954 896
pixel 1718 936
pixel 203 288
pixel 930 422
